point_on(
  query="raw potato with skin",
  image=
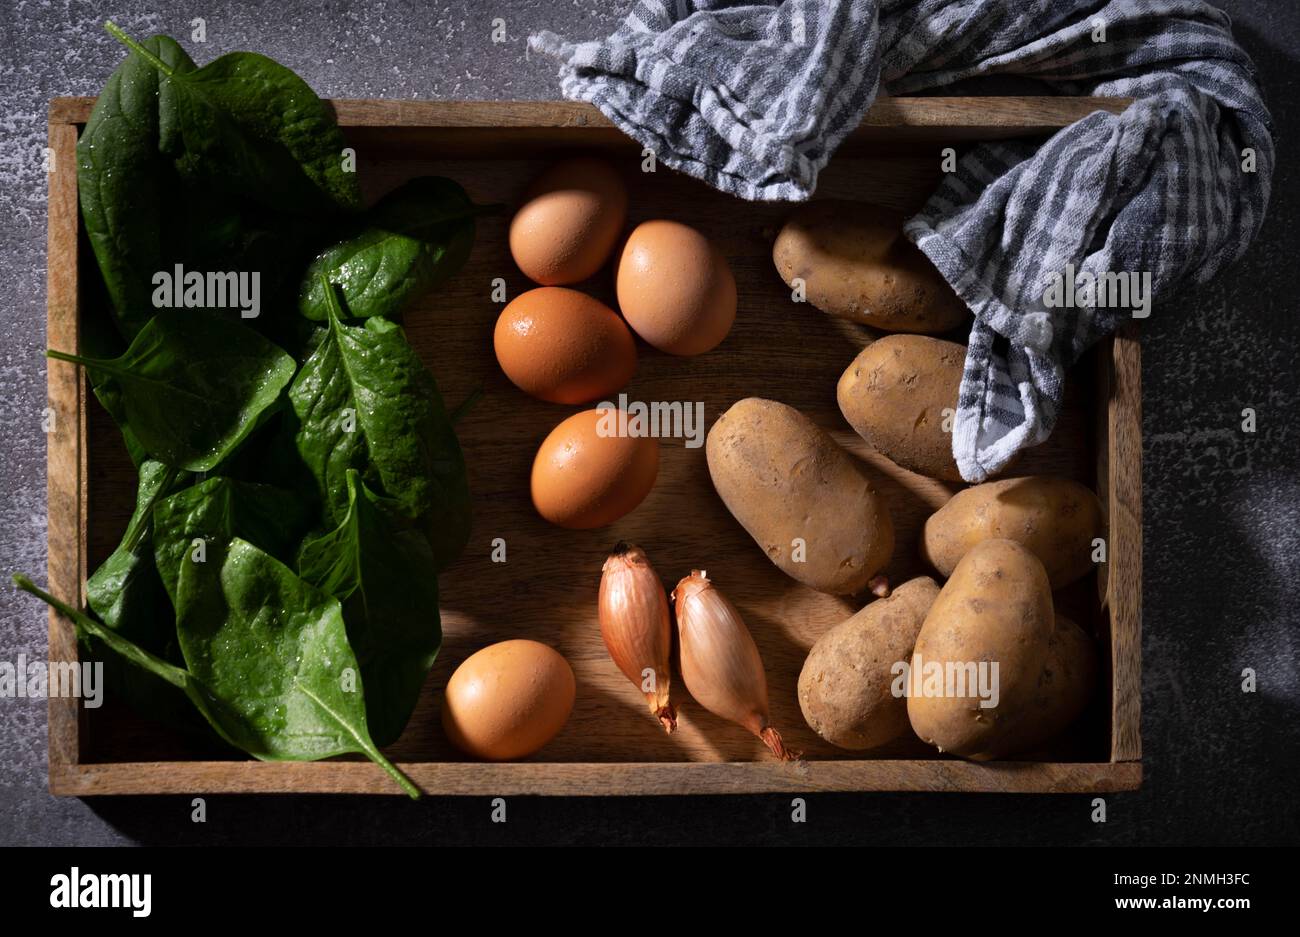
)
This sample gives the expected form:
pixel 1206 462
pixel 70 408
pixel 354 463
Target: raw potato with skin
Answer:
pixel 857 264
pixel 846 686
pixel 894 395
pixel 997 607
pixel 1055 518
pixel 783 478
pixel 1064 688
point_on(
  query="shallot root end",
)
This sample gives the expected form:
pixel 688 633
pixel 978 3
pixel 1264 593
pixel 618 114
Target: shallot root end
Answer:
pixel 667 716
pixel 772 739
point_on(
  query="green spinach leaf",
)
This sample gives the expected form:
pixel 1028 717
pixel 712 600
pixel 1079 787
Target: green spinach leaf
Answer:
pixel 365 401
pixel 219 231
pixel 126 594
pixel 193 385
pixel 100 337
pixel 123 181
pixel 109 395
pixel 141 217
pixel 274 649
pixel 386 577
pixel 246 124
pixel 122 591
pixel 296 710
pixel 127 650
pixel 414 238
pixel 218 509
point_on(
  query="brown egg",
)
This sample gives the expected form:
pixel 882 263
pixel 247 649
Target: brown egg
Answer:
pixel 675 288
pixel 586 475
pixel 508 700
pixel 564 346
pixel 569 222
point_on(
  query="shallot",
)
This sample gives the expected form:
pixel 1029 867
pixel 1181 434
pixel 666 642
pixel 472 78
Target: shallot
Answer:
pixel 635 627
pixel 720 662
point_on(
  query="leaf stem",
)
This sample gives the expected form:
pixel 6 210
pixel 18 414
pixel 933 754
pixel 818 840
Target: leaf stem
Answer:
pixel 333 303
pixel 364 744
pixel 164 489
pixel 116 33
pixel 106 367
pixel 86 625
pixel 64 356
pixel 395 772
pixel 181 679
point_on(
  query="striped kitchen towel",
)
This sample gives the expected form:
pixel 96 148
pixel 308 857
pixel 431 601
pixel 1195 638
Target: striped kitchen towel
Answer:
pixel 753 98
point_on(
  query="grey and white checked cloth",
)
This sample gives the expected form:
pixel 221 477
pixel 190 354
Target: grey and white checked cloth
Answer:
pixel 753 98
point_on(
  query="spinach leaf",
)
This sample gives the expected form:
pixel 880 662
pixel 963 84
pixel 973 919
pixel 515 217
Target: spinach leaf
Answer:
pixel 246 124
pixel 130 652
pixel 141 217
pixel 219 231
pixel 123 181
pixel 309 717
pixel 274 650
pixel 122 592
pixel 100 337
pixel 126 594
pixel 109 394
pixel 193 385
pixel 217 509
pixel 386 577
pixel 412 239
pixel 364 401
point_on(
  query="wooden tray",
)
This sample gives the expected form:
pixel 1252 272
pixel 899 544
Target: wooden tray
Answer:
pixel 547 588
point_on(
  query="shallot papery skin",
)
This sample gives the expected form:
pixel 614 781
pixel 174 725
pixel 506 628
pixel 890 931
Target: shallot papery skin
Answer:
pixel 720 662
pixel 636 629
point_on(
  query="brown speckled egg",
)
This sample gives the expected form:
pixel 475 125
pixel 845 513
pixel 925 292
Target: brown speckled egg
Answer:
pixel 675 289
pixel 586 475
pixel 570 219
pixel 508 700
pixel 564 346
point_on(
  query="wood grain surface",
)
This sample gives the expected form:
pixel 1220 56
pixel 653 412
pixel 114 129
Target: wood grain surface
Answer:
pixel 1017 116
pixel 546 590
pixel 66 462
pixel 1123 502
pixel 578 779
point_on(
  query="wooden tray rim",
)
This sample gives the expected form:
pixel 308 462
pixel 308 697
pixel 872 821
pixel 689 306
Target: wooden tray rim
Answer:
pixel 1026 114
pixel 1119 483
pixel 597 779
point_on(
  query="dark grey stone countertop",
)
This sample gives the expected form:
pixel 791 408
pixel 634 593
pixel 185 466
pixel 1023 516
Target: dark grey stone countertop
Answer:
pixel 1222 507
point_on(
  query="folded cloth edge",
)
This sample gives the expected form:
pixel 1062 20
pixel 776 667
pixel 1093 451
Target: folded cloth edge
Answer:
pixel 977 464
pixel 804 170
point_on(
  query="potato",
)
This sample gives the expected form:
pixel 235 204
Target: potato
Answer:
pixel 810 505
pixel 846 686
pixel 1065 686
pixel 894 394
pixel 857 264
pixel 996 609
pixel 1055 518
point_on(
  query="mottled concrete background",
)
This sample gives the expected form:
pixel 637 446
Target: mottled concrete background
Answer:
pixel 1222 508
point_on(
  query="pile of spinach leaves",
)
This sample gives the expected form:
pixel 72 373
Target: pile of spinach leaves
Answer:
pixel 300 481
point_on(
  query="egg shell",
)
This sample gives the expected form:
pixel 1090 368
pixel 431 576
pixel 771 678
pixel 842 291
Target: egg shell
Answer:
pixel 508 700
pixel 675 288
pixel 585 475
pixel 564 346
pixel 569 222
